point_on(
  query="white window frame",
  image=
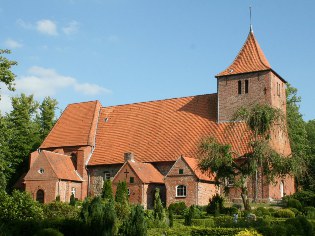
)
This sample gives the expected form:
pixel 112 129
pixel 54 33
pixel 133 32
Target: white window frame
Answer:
pixel 73 191
pixel 184 190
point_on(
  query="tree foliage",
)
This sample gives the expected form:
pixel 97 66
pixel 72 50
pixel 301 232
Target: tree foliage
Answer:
pixel 6 75
pixel 159 212
pixel 221 160
pixel 107 192
pixel 135 224
pixel 22 132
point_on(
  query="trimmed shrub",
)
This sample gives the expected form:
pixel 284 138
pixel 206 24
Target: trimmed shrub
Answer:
pixel 296 211
pixel 309 212
pixel 261 211
pixel 294 203
pixel 299 226
pixel 178 208
pixel 49 232
pixel 207 223
pixel 136 224
pixel 230 210
pixel 189 215
pixel 247 232
pixel 216 204
pixel 284 213
pixel 107 192
pixel 60 210
pixel 306 198
pixel 224 221
pixel 215 231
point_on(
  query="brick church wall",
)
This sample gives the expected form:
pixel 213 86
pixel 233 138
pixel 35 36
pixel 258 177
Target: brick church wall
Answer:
pixel 97 174
pixel 48 186
pixel 205 192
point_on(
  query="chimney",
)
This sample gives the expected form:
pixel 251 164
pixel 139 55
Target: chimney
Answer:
pixel 129 156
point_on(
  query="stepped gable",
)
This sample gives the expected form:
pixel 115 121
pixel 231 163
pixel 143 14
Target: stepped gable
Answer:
pixel 161 130
pixel 193 164
pixel 75 127
pixel 250 59
pixel 61 165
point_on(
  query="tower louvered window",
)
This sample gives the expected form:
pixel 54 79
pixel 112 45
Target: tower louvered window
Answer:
pixel 239 87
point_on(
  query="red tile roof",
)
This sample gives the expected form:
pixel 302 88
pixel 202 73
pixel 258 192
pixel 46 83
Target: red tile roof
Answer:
pixel 250 59
pixel 161 130
pixel 55 165
pixel 75 127
pixel 62 166
pixel 193 164
pixel 146 172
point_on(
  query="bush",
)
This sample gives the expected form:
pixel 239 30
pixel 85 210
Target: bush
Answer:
pixel 306 198
pixel 49 232
pixel 299 226
pixel 224 221
pixel 248 233
pixel 60 210
pixel 261 211
pixel 19 206
pixel 309 212
pixel 189 215
pixel 294 203
pixel 284 213
pixel 178 208
pixel 136 224
pixel 215 231
pixel 296 211
pixel 207 223
pixel 230 210
pixel 216 204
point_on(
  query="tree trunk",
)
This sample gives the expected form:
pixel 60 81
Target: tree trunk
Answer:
pixel 244 195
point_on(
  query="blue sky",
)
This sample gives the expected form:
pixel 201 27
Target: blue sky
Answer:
pixel 126 51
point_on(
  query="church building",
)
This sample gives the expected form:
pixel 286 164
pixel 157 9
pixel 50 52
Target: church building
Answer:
pixel 155 144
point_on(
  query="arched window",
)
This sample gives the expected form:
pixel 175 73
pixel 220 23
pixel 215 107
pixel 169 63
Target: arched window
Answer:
pixel 181 191
pixel 246 86
pixel 239 87
pixel 40 196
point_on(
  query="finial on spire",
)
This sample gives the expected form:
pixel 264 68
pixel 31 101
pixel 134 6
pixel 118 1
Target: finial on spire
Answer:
pixel 250 19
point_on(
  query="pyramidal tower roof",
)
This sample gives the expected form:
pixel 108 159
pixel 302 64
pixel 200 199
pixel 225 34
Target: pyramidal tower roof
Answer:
pixel 250 59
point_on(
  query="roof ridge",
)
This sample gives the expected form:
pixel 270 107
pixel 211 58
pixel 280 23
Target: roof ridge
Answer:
pixel 55 153
pixel 92 123
pixel 160 100
pixel 259 56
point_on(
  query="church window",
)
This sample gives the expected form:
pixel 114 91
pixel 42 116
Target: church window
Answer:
pixel 73 191
pixel 181 171
pixel 181 191
pixel 40 196
pixel 106 175
pixel 41 170
pixel 239 87
pixel 132 180
pixel 128 190
pixel 246 86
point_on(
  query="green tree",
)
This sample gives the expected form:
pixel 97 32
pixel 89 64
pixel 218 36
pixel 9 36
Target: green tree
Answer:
pixel 6 75
pixel 107 192
pixel 159 212
pixel 24 135
pixel 122 201
pixel 309 178
pixel 47 115
pixel 95 217
pixel 220 159
pixel 135 224
pixel 110 219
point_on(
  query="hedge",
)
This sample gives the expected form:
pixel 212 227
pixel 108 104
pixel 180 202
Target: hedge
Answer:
pixel 215 231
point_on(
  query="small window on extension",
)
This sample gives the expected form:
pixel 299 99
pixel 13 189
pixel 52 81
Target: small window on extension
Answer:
pixel 180 171
pixel 132 180
pixel 239 87
pixel 246 86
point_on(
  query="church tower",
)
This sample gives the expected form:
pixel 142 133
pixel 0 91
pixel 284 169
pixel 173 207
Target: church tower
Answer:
pixel 247 81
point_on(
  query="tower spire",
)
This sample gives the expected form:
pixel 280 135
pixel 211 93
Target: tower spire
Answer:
pixel 250 19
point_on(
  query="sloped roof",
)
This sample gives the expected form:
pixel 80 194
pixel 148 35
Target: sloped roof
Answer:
pixel 193 164
pixel 75 127
pixel 250 59
pixel 161 130
pixel 61 167
pixel 146 172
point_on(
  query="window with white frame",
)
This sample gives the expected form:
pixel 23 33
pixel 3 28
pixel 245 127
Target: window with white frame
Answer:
pixel 181 191
pixel 73 191
pixel 106 175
